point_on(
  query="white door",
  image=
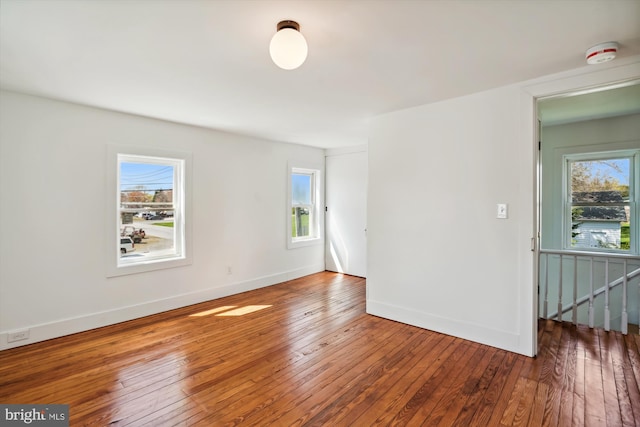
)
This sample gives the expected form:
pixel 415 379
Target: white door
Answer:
pixel 346 215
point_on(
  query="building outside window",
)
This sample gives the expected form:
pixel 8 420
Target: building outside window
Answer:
pixel 150 227
pixel 601 202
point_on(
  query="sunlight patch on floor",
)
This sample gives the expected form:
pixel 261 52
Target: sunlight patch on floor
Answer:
pixel 213 311
pixel 231 310
pixel 244 310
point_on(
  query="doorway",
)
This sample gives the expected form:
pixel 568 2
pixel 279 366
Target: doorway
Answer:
pixel 588 128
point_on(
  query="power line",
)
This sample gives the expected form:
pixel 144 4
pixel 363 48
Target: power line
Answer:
pixel 145 190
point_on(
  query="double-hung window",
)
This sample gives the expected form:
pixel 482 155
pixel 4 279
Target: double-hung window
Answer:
pixel 304 210
pixel 601 199
pixel 148 222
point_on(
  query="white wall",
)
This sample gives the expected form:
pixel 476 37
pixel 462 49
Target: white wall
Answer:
pixel 53 159
pixel 438 256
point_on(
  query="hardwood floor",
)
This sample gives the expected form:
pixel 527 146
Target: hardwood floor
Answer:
pixel 312 356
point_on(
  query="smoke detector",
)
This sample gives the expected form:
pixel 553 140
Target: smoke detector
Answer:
pixel 603 52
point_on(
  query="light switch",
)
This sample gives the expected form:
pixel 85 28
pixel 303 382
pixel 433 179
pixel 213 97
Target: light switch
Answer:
pixel 503 211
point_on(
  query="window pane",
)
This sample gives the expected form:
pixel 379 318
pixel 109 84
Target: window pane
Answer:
pixel 146 210
pixel 301 189
pixel 303 194
pixel 600 209
pixel 300 222
pixel 601 175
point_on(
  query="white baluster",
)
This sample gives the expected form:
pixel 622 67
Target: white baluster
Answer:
pixel 591 312
pixel 624 320
pixel 560 292
pixel 545 310
pixel 574 316
pixel 607 313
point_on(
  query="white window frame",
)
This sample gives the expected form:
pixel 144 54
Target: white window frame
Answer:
pixel 634 190
pixel 118 266
pixel 316 219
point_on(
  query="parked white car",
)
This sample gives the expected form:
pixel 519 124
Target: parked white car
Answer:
pixel 126 244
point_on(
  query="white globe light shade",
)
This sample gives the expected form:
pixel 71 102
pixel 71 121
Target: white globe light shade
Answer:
pixel 288 48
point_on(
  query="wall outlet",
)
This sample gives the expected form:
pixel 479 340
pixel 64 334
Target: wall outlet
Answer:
pixel 18 335
pixel 229 270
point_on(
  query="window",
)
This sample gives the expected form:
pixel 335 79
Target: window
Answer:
pixel 601 201
pixel 149 211
pixel 303 210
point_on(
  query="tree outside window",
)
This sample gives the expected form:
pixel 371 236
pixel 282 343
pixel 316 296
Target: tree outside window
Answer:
pixel 150 209
pixel 301 205
pixel 601 202
pixel 304 210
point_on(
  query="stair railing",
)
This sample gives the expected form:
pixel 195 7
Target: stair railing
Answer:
pixel 590 297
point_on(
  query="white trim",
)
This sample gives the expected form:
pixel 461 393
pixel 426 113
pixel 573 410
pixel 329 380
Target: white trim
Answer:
pixel 527 259
pixel 113 266
pixel 589 77
pixel 592 153
pixel 73 325
pixel 318 200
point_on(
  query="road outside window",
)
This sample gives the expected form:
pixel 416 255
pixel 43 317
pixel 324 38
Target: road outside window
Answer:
pixel 150 223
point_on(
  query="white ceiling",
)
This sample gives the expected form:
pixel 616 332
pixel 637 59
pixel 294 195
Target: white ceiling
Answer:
pixel 206 62
pixel 616 100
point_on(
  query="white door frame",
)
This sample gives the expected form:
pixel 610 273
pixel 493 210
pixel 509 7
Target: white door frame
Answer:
pixel 584 78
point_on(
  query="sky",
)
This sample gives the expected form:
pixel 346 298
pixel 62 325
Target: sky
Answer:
pixel 152 177
pixel 160 177
pixel 300 189
pixel 623 164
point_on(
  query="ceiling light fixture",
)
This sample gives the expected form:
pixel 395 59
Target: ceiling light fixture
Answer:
pixel 603 52
pixel 288 48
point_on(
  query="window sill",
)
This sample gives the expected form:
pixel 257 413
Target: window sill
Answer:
pixel 299 243
pixel 151 265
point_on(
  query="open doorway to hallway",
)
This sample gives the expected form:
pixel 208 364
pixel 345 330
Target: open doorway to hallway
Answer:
pixel 589 188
